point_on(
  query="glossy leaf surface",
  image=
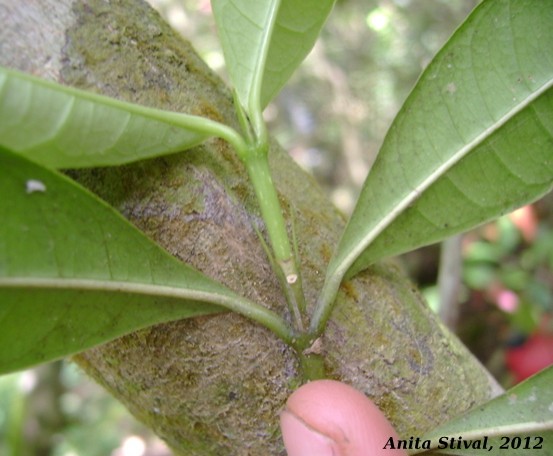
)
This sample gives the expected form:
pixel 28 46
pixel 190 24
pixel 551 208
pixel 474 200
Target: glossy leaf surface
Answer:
pixel 74 273
pixel 473 141
pixel 518 422
pixel 265 41
pixel 61 127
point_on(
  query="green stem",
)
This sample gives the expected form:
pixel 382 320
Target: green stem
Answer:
pixel 260 175
pixel 325 305
pixel 294 304
pixel 258 169
pixel 312 367
pixel 298 287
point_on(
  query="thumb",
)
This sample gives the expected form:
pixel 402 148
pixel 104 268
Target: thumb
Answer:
pixel 326 417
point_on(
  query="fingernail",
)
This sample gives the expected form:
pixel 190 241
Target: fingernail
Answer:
pixel 300 439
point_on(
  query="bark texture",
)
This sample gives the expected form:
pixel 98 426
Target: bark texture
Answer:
pixel 215 385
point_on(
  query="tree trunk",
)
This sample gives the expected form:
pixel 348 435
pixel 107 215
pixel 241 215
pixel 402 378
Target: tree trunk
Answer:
pixel 215 385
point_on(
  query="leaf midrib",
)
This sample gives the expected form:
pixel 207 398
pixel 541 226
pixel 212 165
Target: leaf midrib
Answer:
pixel 254 101
pixel 112 286
pixel 224 298
pixel 417 191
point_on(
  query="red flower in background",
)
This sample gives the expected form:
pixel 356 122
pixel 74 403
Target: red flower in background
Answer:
pixel 535 354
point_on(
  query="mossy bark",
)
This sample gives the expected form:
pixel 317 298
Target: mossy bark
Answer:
pixel 215 385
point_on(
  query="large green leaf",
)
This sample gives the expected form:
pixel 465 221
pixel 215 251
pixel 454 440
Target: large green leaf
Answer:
pixel 521 420
pixel 473 141
pixel 74 273
pixel 265 41
pixel 62 127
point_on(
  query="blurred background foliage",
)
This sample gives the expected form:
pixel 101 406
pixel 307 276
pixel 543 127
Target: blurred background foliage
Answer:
pixel 494 285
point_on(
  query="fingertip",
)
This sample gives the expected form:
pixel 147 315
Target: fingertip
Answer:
pixel 326 417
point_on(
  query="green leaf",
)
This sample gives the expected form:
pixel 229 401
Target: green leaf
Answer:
pixel 473 141
pixel 74 273
pixel 519 420
pixel 62 127
pixel 265 41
